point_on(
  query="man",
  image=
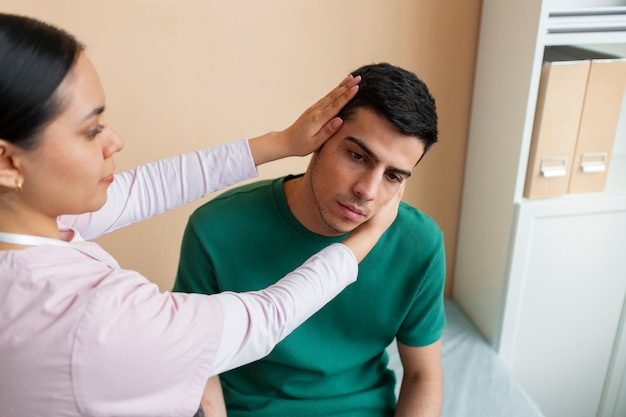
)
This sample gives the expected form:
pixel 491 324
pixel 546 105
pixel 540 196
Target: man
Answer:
pixel 335 363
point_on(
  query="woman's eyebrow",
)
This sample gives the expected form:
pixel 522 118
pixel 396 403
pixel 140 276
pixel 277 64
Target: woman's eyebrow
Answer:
pixel 94 112
pixel 372 155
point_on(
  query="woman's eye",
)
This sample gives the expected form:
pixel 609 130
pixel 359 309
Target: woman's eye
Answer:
pixel 95 131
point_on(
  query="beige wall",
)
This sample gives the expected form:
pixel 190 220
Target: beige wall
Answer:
pixel 185 74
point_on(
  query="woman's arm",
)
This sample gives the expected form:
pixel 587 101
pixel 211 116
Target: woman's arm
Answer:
pixel 154 188
pixel 160 186
pixel 310 130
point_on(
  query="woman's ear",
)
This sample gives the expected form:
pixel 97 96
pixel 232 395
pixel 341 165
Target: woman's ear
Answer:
pixel 10 176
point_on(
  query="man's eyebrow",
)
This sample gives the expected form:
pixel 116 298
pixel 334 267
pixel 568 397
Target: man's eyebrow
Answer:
pixel 372 155
pixel 94 112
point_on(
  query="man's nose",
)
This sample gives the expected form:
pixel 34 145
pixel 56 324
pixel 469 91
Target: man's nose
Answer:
pixel 367 185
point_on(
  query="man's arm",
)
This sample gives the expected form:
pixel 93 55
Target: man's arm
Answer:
pixel 421 393
pixel 212 403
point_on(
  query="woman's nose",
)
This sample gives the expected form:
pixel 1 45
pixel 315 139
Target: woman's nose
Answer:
pixel 114 143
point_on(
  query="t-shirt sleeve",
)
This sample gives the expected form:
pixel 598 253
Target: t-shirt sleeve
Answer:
pixel 426 319
pixel 156 187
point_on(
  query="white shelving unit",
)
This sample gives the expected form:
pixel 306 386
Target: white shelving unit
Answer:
pixel 544 280
pixel 585 25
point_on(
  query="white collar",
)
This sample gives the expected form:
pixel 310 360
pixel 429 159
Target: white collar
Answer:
pixel 30 240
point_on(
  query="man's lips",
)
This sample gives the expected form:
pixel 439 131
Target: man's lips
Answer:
pixel 351 212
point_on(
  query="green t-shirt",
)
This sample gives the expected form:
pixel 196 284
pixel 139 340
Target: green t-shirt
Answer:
pixel 335 363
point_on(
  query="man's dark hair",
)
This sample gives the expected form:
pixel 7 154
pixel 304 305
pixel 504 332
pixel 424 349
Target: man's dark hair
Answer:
pixel 400 97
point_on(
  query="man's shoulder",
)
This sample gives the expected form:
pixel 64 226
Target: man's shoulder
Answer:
pixel 413 229
pixel 411 217
pixel 242 190
pixel 238 198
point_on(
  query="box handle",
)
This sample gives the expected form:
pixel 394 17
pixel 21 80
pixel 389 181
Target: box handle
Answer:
pixel 553 167
pixel 593 162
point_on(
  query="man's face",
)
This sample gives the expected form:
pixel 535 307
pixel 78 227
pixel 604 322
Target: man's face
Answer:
pixel 358 170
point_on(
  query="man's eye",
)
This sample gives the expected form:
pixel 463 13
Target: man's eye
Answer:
pixel 356 156
pixel 395 177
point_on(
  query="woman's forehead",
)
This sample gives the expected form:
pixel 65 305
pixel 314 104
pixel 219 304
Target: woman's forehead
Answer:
pixel 81 91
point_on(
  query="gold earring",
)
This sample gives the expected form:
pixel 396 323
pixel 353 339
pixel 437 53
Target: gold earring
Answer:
pixel 18 184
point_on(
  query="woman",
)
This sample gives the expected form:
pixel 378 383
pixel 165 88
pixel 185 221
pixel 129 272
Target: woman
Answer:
pixel 79 335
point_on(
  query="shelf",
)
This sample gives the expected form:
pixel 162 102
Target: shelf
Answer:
pixel 537 258
pixel 602 29
pixel 586 25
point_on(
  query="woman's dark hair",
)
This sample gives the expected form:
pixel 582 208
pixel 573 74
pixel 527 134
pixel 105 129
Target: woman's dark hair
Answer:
pixel 400 97
pixel 35 57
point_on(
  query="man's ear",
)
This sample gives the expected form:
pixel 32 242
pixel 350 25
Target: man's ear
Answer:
pixel 10 175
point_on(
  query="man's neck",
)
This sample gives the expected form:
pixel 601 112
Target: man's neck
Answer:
pixel 302 204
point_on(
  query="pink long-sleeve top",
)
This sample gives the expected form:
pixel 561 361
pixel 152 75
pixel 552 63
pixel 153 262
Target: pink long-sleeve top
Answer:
pixel 81 338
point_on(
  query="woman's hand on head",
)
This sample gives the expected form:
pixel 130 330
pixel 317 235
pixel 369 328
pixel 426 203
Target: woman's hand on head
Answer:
pixel 319 122
pixel 309 132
